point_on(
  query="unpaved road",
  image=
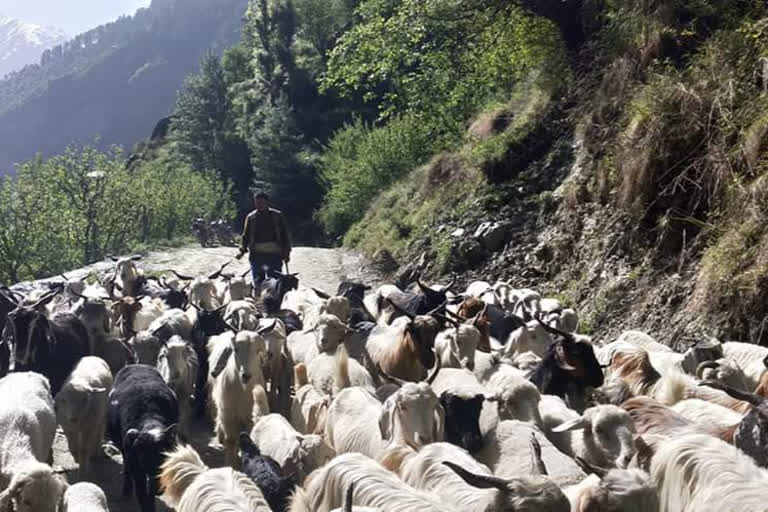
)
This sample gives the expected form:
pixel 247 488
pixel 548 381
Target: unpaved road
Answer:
pixel 320 268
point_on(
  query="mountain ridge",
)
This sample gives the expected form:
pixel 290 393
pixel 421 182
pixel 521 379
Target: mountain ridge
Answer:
pixel 23 43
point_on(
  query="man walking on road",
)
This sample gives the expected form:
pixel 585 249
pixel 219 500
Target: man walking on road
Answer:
pixel 265 237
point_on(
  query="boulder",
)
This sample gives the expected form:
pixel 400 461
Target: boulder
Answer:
pixel 492 235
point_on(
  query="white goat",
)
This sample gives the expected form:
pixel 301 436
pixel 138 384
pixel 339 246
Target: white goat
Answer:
pixel 700 473
pixel 204 294
pixel 506 450
pixel 84 497
pixel 325 336
pixel 189 486
pixel 236 363
pixel 81 408
pixel 309 410
pixel 606 438
pixel 374 486
pixel 620 490
pixel 332 373
pixel 707 413
pixel 242 314
pixel 297 454
pixel 459 480
pixel 27 429
pixel 456 347
pixel 357 422
pixel 173 321
pixel 178 365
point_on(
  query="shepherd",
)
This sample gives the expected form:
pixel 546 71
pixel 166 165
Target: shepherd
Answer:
pixel 265 238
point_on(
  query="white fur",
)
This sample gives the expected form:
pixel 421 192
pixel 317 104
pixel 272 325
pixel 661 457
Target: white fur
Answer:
pixel 178 365
pixel 456 346
pixel 84 497
pixel 621 490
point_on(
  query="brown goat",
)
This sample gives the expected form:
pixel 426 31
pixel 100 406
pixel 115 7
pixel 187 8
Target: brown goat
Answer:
pixel 124 313
pixel 405 352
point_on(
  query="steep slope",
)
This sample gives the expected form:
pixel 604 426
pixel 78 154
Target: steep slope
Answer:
pixel 114 82
pixel 23 43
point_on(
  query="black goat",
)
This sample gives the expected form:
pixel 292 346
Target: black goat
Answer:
pixel 462 420
pixel 568 367
pixel 265 472
pixel 274 287
pixel 51 347
pixel 355 293
pixel 142 421
pixel 208 323
pixel 424 302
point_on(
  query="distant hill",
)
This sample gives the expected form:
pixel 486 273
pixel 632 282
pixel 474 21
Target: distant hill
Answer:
pixel 23 43
pixel 113 82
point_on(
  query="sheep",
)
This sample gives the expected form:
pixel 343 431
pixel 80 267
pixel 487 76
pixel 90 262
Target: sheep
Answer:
pixel 297 454
pixel 236 363
pixel 506 451
pixel 405 349
pixel 358 422
pixel 189 486
pixel 618 490
pixel 374 486
pixel 309 410
pixel 81 409
pixel 84 497
pixel 606 438
pixel 459 480
pixel 699 473
pixel 266 473
pixel 178 365
pixel 456 347
pixel 27 429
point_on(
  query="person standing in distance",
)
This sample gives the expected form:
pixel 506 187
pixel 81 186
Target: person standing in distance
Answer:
pixel 265 238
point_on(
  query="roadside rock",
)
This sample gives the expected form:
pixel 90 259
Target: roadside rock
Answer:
pixel 492 235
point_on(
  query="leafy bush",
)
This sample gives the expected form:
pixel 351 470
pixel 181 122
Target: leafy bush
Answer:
pixel 77 207
pixel 362 160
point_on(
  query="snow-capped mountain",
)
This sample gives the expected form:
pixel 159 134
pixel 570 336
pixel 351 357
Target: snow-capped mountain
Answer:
pixel 23 43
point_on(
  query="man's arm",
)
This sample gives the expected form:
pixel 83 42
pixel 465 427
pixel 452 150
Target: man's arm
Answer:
pixel 244 241
pixel 285 239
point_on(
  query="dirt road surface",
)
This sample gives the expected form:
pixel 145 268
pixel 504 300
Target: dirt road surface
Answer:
pixel 320 268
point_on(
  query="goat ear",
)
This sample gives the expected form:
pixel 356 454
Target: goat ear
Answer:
pixel 387 420
pixel 438 433
pixel 221 362
pixel 574 424
pixel 171 432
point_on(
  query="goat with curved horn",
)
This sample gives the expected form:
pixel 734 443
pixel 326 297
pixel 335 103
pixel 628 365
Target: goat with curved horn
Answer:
pixel 216 274
pixel 704 365
pixel 744 396
pixel 479 481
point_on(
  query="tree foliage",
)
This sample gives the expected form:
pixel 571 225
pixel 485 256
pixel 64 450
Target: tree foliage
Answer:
pixel 79 206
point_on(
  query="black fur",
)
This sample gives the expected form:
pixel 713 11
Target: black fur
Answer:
pixel 58 344
pixel 462 420
pixel 551 379
pixel 142 420
pixel 266 473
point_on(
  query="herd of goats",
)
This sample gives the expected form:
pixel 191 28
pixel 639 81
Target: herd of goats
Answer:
pixel 418 400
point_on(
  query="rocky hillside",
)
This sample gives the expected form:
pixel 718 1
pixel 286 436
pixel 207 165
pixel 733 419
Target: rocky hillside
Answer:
pixel 634 190
pixel 113 82
pixel 23 43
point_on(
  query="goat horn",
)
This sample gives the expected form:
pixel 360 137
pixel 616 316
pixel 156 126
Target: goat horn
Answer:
pixel 349 497
pixel 453 282
pixel 438 308
pixel 390 378
pixel 537 464
pixel 589 468
pixel 401 310
pixel 751 398
pixel 454 315
pixel 479 481
pixel 216 274
pixel 553 330
pixel 182 276
pixel 438 364
pixel 245 273
pixel 45 299
pixel 320 293
pixel 704 365
pixel 446 319
pixel 421 285
pixel 480 315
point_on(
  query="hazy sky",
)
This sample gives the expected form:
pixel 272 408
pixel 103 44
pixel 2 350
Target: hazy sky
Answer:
pixel 72 16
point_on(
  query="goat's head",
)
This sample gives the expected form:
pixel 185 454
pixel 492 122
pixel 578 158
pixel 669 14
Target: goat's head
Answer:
pixel 609 433
pixel 330 332
pixel 210 323
pixel 521 494
pixel 619 490
pixel 126 270
pixel 176 360
pixel 26 330
pixel 704 349
pixel 414 414
pixel 36 488
pixel 422 331
pixel 724 370
pixel 249 351
pixel 462 418
pixel 338 306
pixel 145 450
